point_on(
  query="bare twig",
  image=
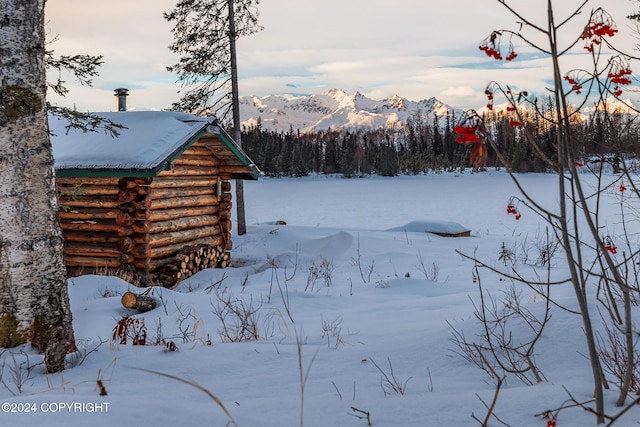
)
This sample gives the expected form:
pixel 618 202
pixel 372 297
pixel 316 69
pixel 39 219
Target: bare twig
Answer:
pixel 337 389
pixel 491 407
pixel 363 415
pixel 197 386
pixel 304 375
pixel 389 382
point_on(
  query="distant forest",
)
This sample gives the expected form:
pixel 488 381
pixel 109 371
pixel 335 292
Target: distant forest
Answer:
pixel 429 144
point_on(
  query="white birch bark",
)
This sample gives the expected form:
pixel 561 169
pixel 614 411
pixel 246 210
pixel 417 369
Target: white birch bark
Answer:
pixel 34 302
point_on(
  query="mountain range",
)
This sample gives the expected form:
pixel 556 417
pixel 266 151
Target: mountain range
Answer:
pixel 335 109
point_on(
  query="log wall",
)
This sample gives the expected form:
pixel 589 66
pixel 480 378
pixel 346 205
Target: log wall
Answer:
pixel 164 228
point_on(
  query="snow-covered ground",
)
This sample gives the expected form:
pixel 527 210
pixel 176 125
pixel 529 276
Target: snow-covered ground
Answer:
pixel 353 280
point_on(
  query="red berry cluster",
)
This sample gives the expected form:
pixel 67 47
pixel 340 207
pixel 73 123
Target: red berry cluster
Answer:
pixel 490 98
pixel 491 46
pixel 575 85
pixel 512 209
pixel 600 29
pixel 619 76
pixel 473 135
pixel 511 107
pixel 551 423
pixel 593 34
pixel 622 188
pixel 608 245
pixel 579 164
pixel 466 135
pixel 601 25
pixel 491 51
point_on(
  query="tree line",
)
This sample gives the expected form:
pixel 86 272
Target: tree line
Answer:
pixel 423 144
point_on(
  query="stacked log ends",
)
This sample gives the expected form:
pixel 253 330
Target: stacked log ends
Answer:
pixel 190 260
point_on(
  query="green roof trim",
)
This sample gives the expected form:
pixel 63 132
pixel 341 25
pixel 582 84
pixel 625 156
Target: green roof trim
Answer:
pixel 241 155
pixel 163 166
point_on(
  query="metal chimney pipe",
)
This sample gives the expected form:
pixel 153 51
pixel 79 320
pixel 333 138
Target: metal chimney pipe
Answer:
pixel 122 94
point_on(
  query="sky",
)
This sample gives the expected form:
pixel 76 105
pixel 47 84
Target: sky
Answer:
pixel 413 48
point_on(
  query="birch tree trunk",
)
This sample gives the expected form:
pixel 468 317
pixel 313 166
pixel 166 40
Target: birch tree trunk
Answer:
pixel 34 301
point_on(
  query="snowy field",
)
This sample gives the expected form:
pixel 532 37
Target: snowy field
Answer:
pixel 353 280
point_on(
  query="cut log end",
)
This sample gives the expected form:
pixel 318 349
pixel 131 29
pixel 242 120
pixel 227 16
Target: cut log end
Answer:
pixel 142 303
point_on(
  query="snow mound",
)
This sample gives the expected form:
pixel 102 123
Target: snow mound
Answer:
pixel 328 247
pixel 292 250
pixel 435 227
pixel 91 287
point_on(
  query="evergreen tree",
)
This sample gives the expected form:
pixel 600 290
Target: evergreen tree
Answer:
pixel 205 33
pixel 437 145
pixel 331 155
pixel 202 39
pixel 347 160
pixel 415 147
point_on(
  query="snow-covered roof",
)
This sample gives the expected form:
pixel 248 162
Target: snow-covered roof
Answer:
pixel 148 143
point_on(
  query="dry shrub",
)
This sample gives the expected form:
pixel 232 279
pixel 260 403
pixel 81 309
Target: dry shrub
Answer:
pixel 239 318
pixel 613 354
pixel 130 328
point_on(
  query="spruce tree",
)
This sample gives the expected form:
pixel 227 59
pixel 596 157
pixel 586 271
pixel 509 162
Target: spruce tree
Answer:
pixel 205 32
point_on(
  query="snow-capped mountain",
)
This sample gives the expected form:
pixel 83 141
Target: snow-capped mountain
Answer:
pixel 612 105
pixel 335 109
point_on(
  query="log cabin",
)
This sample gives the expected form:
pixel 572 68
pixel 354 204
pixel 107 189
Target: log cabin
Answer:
pixel 154 201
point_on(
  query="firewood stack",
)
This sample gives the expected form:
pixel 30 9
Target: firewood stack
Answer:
pixel 191 260
pixel 166 228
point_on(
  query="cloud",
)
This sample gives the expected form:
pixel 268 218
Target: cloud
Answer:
pixel 415 49
pixel 459 91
